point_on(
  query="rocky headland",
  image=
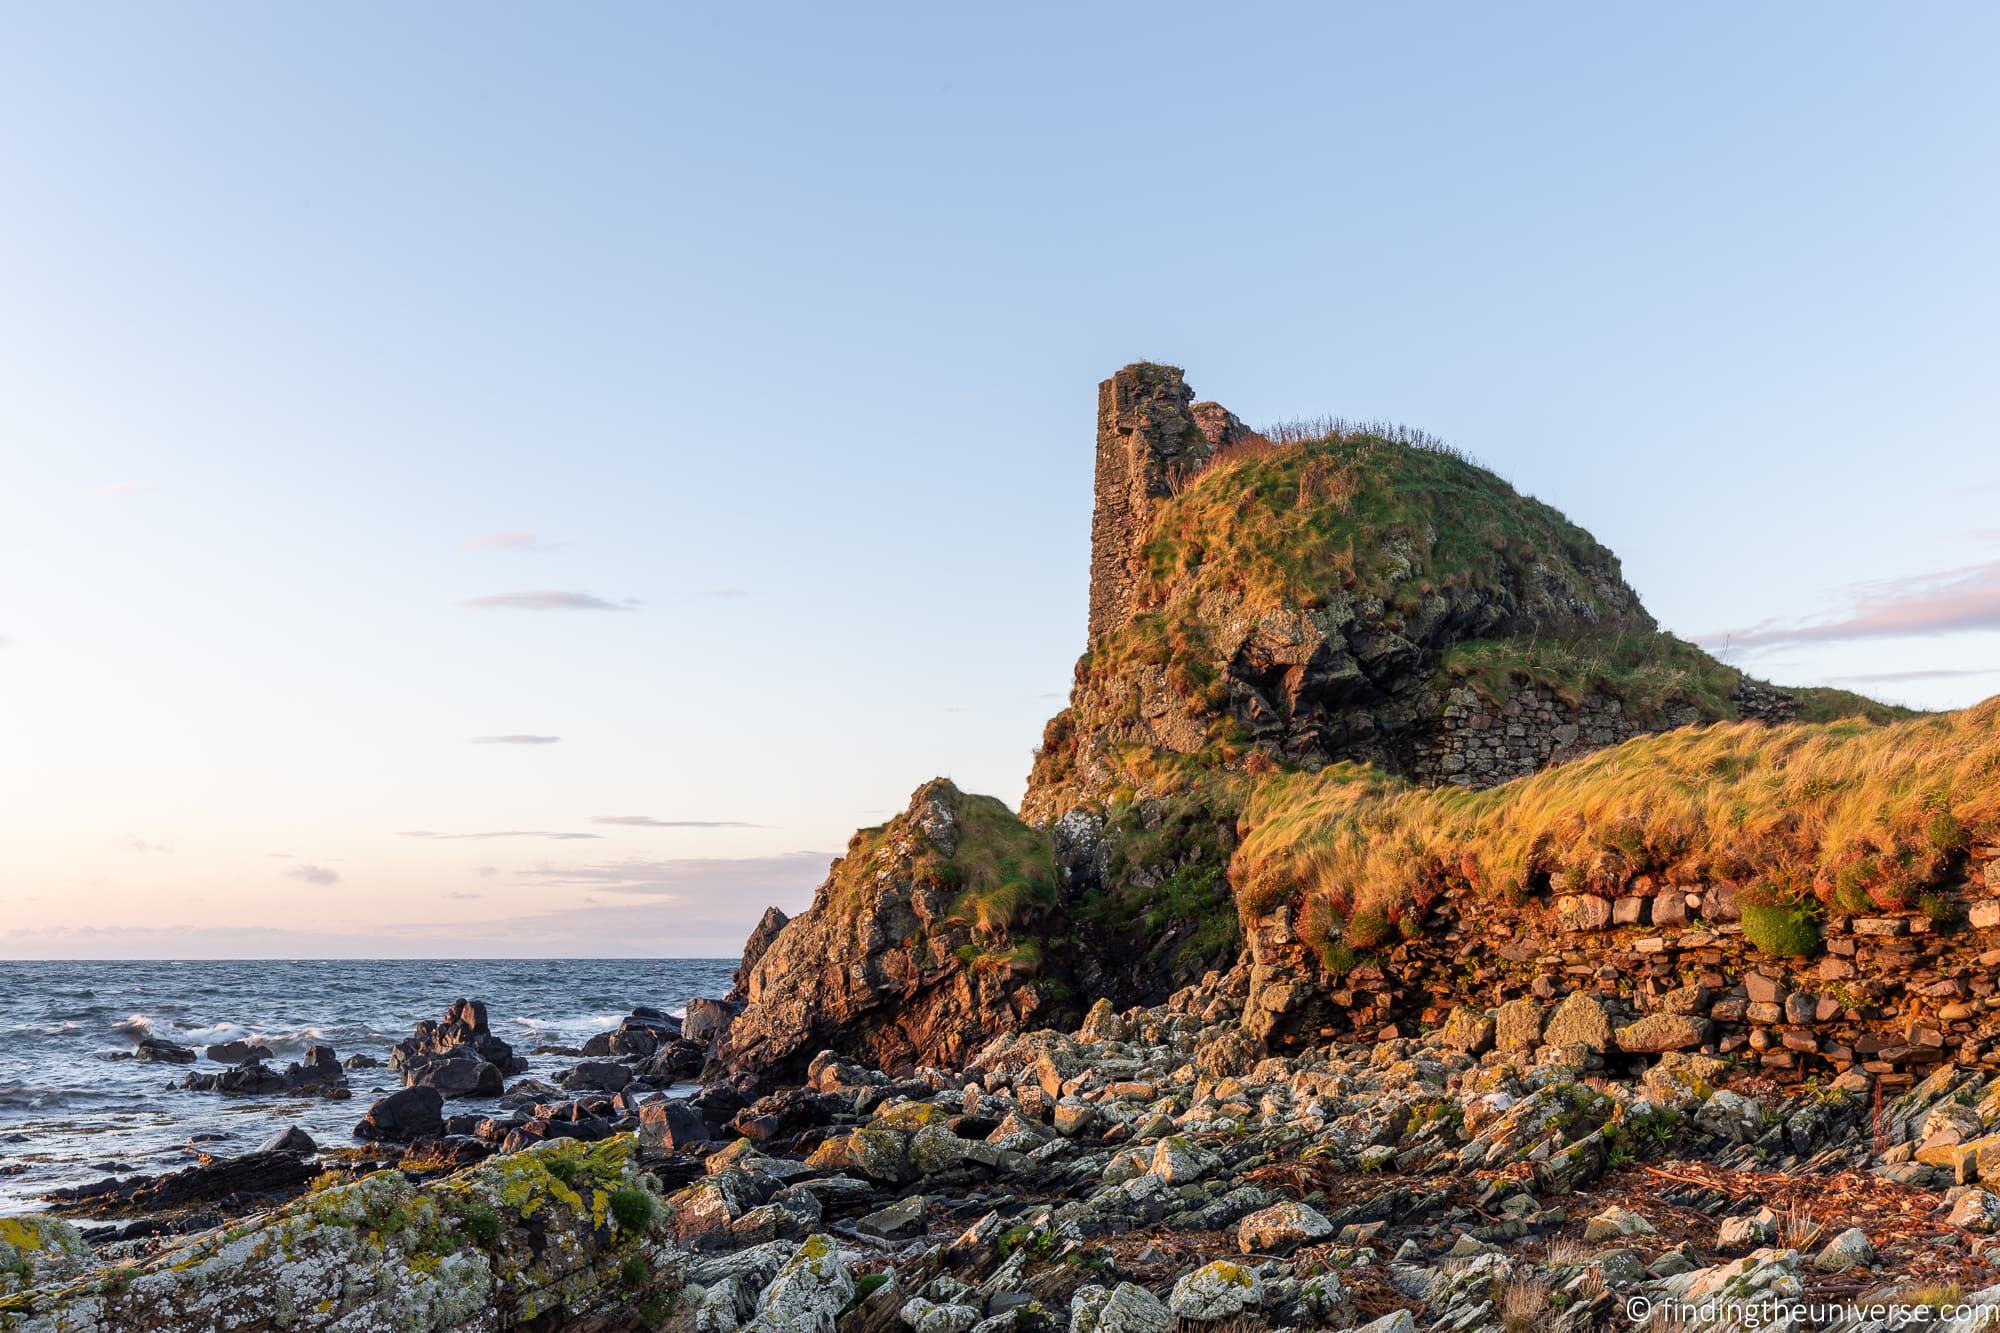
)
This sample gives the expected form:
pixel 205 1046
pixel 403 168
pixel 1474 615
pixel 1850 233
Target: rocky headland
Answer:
pixel 1399 931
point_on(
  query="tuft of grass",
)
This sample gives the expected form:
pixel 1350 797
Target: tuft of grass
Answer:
pixel 1524 1305
pixel 1833 812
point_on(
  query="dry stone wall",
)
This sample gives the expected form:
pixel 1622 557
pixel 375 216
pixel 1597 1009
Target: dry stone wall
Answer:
pixel 1479 742
pixel 1897 995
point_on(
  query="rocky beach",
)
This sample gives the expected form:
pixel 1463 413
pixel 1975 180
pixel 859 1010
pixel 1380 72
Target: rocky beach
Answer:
pixel 1399 931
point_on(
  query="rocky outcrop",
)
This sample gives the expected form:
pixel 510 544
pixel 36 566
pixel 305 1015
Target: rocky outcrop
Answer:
pixel 1296 604
pixel 760 939
pixel 563 1236
pixel 917 946
pixel 317 1074
pixel 459 1057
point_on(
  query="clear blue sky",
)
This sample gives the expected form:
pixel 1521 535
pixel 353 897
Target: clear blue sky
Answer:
pixel 778 329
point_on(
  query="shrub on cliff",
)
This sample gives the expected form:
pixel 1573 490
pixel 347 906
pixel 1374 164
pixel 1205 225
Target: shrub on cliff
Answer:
pixel 1822 811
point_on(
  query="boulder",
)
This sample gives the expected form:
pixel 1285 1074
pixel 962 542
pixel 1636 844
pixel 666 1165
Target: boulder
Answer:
pixel 670 1125
pixel 458 1074
pixel 1850 1249
pixel 808 1293
pixel 1217 1291
pixel 1580 1018
pixel 1125 1308
pixel 237 1052
pixel 1656 1033
pixel 707 1019
pixel 524 1243
pixel 1281 1228
pixel 1976 1210
pixel 597 1075
pixel 36 1249
pixel 1517 1025
pixel 1467 1030
pixel 404 1116
pixel 163 1052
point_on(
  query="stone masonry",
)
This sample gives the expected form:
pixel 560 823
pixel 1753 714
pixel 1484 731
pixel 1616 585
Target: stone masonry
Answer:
pixel 1148 442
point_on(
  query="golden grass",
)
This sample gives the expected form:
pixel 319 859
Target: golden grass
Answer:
pixel 1857 815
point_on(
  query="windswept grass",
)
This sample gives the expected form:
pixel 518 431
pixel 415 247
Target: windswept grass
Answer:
pixel 1856 815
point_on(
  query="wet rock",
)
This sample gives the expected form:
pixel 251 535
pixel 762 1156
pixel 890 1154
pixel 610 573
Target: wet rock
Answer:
pixel 290 1139
pixel 462 1034
pixel 161 1051
pixel 231 1181
pixel 597 1075
pixel 237 1052
pixel 459 1074
pixel 403 1116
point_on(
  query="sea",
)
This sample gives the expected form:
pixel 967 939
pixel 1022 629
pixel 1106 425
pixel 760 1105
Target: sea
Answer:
pixel 73 1109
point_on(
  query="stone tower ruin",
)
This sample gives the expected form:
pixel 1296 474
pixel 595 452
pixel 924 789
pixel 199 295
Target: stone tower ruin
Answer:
pixel 1147 442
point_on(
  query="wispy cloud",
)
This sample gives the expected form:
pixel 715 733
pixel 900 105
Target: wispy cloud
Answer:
pixel 506 541
pixel 487 872
pixel 519 738
pixel 1953 601
pixel 729 592
pixel 721 902
pixel 647 821
pixel 138 844
pixel 500 833
pixel 712 878
pixel 318 876
pixel 463 896
pixel 1928 673
pixel 124 488
pixel 546 599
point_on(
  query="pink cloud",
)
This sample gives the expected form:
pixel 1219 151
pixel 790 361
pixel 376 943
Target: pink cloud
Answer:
pixel 1954 601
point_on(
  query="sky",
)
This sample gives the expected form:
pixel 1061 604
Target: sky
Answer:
pixel 516 480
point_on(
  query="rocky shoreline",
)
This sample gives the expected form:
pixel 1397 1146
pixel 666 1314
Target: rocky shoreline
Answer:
pixel 1149 1170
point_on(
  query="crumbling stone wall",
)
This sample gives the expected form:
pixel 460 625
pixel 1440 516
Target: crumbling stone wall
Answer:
pixel 1480 743
pixel 1147 443
pixel 1896 995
